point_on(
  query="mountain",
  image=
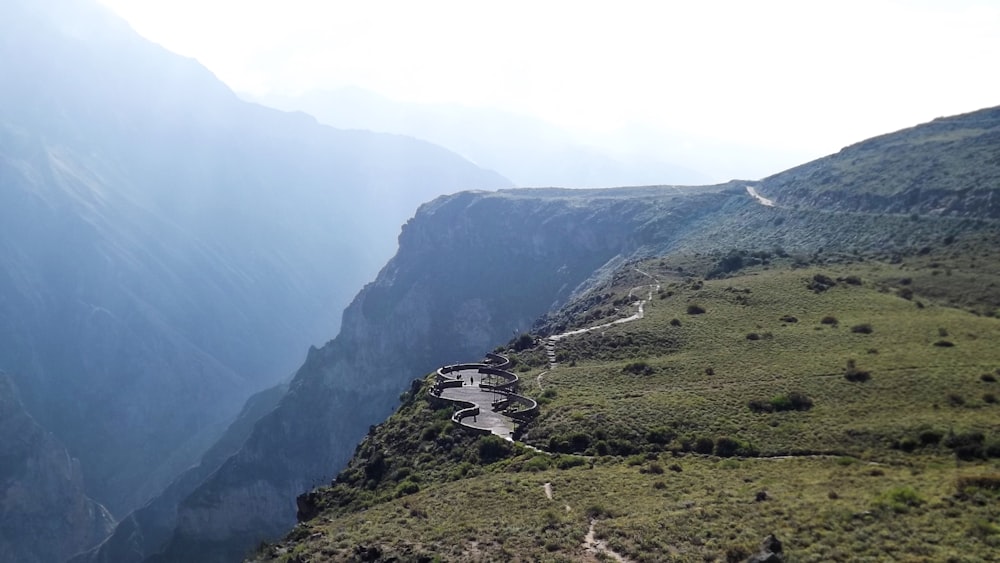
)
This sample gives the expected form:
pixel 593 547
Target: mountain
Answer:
pixel 45 513
pixel 527 150
pixel 166 249
pixel 474 269
pixel 946 167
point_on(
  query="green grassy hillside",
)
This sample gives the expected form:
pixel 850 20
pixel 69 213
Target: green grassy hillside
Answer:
pixel 846 403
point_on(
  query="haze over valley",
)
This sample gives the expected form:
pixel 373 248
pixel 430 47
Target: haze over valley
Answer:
pixel 711 273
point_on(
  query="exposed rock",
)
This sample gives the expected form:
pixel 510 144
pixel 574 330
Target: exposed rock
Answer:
pixel 770 551
pixel 45 516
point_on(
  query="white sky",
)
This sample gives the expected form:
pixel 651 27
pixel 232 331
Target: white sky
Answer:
pixel 791 75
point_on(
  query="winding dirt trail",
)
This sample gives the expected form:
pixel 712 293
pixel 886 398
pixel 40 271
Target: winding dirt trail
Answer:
pixel 594 546
pixel 550 343
pixel 760 199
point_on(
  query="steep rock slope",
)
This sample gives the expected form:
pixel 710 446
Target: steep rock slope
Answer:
pixel 472 270
pixel 145 530
pixel 167 249
pixel 45 514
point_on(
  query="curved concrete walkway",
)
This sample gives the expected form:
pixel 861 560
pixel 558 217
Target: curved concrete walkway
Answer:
pixel 487 393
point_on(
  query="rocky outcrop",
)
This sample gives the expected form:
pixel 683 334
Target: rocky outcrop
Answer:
pixel 45 515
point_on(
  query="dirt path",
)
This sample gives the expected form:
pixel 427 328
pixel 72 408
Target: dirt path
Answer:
pixel 594 546
pixel 760 199
pixel 550 343
pixel 539 379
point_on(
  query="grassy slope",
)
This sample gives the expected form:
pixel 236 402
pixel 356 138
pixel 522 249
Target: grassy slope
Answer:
pixel 871 474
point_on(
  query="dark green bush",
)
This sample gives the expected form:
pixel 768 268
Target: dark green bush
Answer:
pixel 493 448
pixel 853 374
pixel 638 368
pixel 930 437
pixel 704 445
pixel 862 328
pixel 820 283
pixel 727 447
pixel 523 342
pixel 660 435
pixel 695 309
pixel 569 461
pixel 829 320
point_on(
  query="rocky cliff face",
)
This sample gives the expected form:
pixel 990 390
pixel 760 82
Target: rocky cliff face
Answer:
pixel 472 270
pixel 45 514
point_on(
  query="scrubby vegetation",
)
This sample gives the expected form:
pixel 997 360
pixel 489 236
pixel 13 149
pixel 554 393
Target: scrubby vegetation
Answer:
pixel 696 438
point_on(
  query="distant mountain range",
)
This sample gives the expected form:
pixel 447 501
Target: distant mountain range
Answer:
pixel 166 250
pixel 527 150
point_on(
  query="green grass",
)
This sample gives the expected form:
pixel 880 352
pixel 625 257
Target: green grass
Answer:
pixel 869 471
pixel 910 387
pixel 821 509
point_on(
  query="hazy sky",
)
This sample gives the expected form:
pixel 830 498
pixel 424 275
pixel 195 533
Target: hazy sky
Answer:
pixel 790 75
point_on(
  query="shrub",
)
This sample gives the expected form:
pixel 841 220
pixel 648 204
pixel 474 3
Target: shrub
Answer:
pixel 654 468
pixel 988 378
pixel 944 344
pixel 568 461
pixel 704 445
pixel 638 368
pixel 727 447
pixel 523 342
pixel 852 280
pixel 862 328
pixel 855 375
pixel 753 336
pixel 406 488
pixel 989 398
pixel 829 320
pixel 906 293
pixel 930 437
pixel 967 445
pixel 793 401
pixel 789 319
pixel 659 435
pixel 538 463
pixel 493 448
pixel 694 309
pixel 675 322
pixel 900 499
pixel 659 485
pixel 820 283
pixel 989 482
pixel 955 400
pixel 598 511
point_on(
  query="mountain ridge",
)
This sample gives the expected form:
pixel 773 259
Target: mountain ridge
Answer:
pixel 654 222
